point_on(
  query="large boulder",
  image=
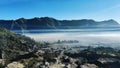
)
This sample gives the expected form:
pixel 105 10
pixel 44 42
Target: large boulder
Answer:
pixel 15 65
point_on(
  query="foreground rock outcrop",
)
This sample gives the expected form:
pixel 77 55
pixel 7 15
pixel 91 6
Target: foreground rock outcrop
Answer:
pixel 15 65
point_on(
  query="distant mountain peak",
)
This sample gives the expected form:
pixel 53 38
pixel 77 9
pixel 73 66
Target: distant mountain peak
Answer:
pixel 111 22
pixel 21 19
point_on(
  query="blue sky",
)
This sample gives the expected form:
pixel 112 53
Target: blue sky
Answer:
pixel 61 9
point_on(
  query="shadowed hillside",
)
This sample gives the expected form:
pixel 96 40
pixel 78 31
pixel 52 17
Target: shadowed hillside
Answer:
pixel 12 44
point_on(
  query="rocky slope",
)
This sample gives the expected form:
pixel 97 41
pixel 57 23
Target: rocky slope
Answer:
pixel 12 45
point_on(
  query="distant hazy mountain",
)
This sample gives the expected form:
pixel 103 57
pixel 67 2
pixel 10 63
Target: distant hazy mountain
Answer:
pixel 51 23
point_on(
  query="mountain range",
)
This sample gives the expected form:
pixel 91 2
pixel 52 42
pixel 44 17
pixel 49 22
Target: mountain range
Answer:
pixel 51 23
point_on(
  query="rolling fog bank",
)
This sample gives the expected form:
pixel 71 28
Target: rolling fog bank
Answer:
pixel 88 37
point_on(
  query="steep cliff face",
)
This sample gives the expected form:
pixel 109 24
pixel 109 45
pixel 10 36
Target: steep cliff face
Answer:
pixel 51 23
